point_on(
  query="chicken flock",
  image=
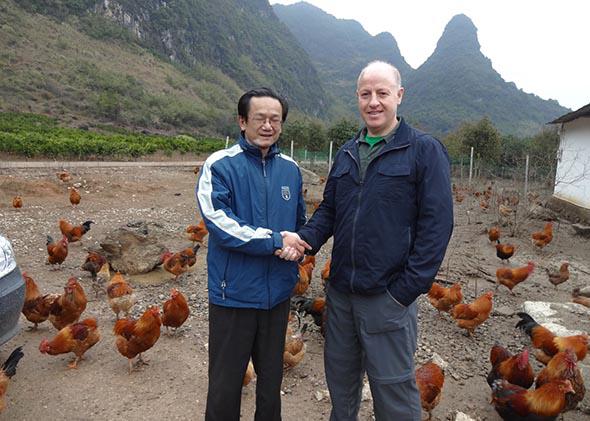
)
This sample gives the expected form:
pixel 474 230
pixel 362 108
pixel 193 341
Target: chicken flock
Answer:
pixel 516 391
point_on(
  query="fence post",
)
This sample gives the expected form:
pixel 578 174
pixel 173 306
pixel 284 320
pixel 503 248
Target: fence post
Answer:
pixel 291 149
pixel 330 155
pixel 470 165
pixel 305 155
pixel 461 176
pixel 226 141
pixel 526 180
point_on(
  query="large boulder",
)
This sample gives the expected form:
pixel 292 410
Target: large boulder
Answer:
pixel 134 248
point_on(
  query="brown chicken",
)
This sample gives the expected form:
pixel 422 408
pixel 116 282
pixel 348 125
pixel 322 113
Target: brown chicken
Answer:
pixel 190 253
pixel 504 251
pixel 36 306
pixel 443 299
pixel 516 369
pixel 542 238
pixel 505 210
pixel 510 277
pixel 74 232
pixel 57 252
pixel 294 347
pixel 69 306
pixel 469 316
pixel 547 343
pixel 8 370
pixel 17 202
pixel 175 263
pixel 134 337
pixel 580 299
pixel 494 234
pixel 75 196
pixel 325 273
pixel 64 176
pixel 515 403
pixel 175 310
pixel 196 233
pixel 305 273
pixel 76 337
pixel 430 379
pixel 250 374
pixel 94 263
pixel 315 307
pixel 560 277
pixel 563 366
pixel 120 295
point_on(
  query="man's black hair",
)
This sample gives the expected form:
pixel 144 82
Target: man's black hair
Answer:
pixel 244 102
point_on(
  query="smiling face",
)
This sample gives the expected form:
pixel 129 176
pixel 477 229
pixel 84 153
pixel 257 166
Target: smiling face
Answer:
pixel 379 94
pixel 263 126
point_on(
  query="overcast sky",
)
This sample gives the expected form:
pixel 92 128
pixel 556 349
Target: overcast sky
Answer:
pixel 541 46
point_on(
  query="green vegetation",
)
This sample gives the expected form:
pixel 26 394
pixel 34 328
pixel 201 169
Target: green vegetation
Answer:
pixel 37 136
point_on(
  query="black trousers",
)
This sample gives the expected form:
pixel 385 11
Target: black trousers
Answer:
pixel 235 335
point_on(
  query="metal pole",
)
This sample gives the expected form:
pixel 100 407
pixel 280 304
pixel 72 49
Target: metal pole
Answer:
pixel 471 165
pixel 461 170
pixel 305 154
pixel 330 155
pixel 226 141
pixel 526 179
pixel 291 149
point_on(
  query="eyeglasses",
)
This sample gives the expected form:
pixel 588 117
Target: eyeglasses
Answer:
pixel 261 121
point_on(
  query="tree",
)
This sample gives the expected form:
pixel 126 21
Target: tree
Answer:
pixel 341 131
pixel 295 131
pixel 483 137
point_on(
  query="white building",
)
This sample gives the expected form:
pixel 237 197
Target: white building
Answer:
pixel 572 177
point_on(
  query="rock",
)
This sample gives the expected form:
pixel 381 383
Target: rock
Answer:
pixel 460 416
pixel 503 311
pixel 133 249
pixel 555 316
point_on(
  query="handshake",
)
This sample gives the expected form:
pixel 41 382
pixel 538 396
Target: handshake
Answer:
pixel 293 247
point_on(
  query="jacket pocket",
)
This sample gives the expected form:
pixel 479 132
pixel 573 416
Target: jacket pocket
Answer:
pixel 345 184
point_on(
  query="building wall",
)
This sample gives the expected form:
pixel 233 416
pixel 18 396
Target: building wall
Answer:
pixel 572 178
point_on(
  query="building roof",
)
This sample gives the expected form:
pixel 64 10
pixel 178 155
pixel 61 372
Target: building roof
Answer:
pixel 582 112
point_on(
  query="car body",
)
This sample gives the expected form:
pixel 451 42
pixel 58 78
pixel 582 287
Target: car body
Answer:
pixel 12 292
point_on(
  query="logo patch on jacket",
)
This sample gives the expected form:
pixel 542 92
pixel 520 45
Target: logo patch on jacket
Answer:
pixel 285 192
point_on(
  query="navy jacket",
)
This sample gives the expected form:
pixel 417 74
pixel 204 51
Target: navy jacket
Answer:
pixel 391 229
pixel 246 201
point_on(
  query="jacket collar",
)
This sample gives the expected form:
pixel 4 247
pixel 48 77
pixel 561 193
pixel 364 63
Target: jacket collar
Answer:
pixel 399 138
pixel 254 151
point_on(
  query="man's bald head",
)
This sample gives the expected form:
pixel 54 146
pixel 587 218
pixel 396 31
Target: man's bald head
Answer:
pixel 384 68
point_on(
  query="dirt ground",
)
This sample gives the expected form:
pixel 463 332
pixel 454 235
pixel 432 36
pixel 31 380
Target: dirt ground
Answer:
pixel 174 385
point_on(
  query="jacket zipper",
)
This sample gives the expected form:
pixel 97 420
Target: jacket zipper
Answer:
pixel 266 199
pixel 356 214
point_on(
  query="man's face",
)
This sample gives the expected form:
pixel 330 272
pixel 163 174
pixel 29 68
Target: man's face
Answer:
pixel 264 124
pixel 378 97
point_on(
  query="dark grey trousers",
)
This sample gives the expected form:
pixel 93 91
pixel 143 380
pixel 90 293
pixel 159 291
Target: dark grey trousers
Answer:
pixel 235 335
pixel 378 335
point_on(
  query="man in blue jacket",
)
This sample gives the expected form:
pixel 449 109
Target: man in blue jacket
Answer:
pixel 250 195
pixel 388 204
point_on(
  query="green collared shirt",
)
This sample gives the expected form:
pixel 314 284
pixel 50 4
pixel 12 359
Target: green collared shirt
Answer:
pixel 369 148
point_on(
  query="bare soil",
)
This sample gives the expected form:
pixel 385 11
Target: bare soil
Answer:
pixel 174 385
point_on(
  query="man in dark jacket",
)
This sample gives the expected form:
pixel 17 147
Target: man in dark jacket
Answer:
pixel 250 195
pixel 388 204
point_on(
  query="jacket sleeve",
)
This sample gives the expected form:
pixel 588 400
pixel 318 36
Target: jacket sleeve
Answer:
pixel 320 226
pixel 229 231
pixel 434 223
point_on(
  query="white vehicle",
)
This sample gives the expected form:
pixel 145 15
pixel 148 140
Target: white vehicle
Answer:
pixel 12 291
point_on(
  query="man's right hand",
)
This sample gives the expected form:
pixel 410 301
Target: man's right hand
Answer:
pixel 293 246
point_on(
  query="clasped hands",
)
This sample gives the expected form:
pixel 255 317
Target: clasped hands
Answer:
pixel 293 246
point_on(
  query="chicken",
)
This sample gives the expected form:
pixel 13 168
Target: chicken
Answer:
pixel 8 370
pixel 74 232
pixel 443 299
pixel 505 210
pixel 542 238
pixel 94 263
pixel 134 337
pixel 64 176
pixel 494 234
pixel 68 307
pixel 459 197
pixel 504 251
pixel 76 337
pixel 325 273
pixel 17 202
pixel 469 316
pixel 315 307
pixel 580 299
pixel 175 263
pixel 563 366
pixel 120 295
pixel 430 379
pixel 547 343
pixel 249 375
pixel 175 310
pixel 510 277
pixel 75 196
pixel 57 252
pixel 515 403
pixel 305 273
pixel 560 277
pixel 190 253
pixel 516 369
pixel 294 347
pixel 196 233
pixel 36 306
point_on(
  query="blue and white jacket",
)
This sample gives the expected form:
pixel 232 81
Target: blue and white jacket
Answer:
pixel 246 201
